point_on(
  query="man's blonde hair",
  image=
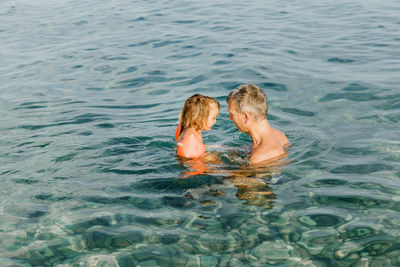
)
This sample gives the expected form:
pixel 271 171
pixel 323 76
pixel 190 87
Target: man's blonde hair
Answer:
pixel 196 110
pixel 249 98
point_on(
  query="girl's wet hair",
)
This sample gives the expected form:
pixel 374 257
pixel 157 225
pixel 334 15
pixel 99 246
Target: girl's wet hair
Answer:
pixel 196 110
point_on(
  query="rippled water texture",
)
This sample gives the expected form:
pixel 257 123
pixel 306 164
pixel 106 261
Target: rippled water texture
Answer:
pixel 90 93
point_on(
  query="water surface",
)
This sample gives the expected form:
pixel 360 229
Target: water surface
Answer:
pixel 89 99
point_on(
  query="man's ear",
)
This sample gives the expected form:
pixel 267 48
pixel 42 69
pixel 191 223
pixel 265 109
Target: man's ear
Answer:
pixel 247 116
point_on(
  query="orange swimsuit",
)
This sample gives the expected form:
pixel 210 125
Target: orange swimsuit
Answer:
pixel 189 146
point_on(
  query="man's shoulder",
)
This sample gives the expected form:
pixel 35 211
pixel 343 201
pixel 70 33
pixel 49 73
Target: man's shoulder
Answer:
pixel 281 136
pixel 272 146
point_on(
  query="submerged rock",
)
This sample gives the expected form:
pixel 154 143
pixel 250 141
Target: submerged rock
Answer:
pixel 347 248
pixel 307 220
pixel 271 252
pixel 206 261
pixel 98 261
pixel 148 263
pixel 299 262
pixel 378 247
pixel 193 262
pixel 316 240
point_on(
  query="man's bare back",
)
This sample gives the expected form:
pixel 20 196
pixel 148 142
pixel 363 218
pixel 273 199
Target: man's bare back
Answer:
pixel 272 145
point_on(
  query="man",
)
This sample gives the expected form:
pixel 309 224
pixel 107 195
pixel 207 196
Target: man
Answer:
pixel 248 106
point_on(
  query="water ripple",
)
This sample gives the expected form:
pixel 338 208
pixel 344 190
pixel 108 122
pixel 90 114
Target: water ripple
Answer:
pixel 90 97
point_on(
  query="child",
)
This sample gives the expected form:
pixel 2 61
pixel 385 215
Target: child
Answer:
pixel 199 113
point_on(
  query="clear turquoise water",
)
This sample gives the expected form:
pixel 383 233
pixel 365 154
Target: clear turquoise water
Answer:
pixel 89 97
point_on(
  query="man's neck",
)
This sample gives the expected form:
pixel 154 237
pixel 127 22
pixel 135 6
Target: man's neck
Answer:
pixel 258 130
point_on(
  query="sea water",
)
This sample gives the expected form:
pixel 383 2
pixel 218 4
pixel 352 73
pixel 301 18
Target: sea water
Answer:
pixel 90 95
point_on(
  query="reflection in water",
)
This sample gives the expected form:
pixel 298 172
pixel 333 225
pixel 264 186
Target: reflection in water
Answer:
pixel 251 181
pixel 202 165
pixel 254 191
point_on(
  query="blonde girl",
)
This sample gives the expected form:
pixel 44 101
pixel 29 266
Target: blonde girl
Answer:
pixel 198 114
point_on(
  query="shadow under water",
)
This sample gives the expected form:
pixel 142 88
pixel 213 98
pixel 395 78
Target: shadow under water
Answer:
pixel 252 181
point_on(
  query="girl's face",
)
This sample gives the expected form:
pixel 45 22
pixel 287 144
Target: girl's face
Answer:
pixel 212 117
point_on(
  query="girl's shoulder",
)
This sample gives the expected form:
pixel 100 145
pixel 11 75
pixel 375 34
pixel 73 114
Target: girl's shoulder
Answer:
pixel 190 146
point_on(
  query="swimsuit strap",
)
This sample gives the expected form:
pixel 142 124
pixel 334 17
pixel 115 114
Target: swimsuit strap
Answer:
pixel 178 131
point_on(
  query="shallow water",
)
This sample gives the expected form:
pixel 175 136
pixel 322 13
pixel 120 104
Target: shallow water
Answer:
pixel 89 98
